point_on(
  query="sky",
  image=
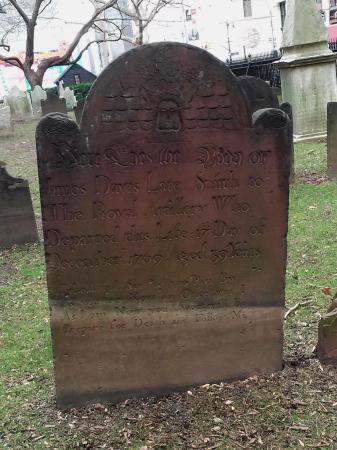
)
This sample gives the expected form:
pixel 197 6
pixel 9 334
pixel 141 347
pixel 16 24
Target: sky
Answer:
pixel 51 32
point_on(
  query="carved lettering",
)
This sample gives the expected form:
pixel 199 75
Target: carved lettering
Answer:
pixel 101 212
pixel 104 186
pixel 212 156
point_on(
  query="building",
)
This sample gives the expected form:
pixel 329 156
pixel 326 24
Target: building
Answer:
pixel 75 74
pixel 233 29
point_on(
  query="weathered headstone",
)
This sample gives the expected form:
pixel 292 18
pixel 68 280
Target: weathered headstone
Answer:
pixel 37 95
pixel 327 336
pixel 53 104
pixel 61 89
pixel 332 140
pixel 158 216
pixel 17 220
pixel 70 98
pixel 20 105
pixel 260 94
pixel 79 110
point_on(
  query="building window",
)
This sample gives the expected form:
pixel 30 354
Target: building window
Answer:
pixel 77 78
pixel 247 8
pixel 333 11
pixel 282 6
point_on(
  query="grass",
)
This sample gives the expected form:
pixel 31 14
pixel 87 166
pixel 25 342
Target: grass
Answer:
pixel 296 408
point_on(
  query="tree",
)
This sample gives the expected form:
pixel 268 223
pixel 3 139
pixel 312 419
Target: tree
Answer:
pixel 25 17
pixel 142 13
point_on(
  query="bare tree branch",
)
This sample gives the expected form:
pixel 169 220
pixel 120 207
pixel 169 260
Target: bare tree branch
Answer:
pixel 19 10
pixel 13 60
pixel 45 7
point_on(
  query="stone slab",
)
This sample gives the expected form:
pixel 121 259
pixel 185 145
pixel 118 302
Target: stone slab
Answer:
pixel 332 140
pixel 327 338
pixel 53 104
pixel 158 216
pixel 17 220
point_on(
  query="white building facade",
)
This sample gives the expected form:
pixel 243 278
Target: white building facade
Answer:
pixel 232 29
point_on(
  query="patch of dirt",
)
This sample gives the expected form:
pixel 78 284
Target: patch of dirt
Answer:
pixel 7 269
pixel 314 178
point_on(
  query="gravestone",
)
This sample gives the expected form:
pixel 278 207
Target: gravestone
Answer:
pixel 20 105
pixel 17 220
pixel 53 104
pixel 287 108
pixel 260 94
pixel 327 336
pixel 37 95
pixel 70 98
pixel 158 216
pixel 332 140
pixel 79 110
pixel 61 89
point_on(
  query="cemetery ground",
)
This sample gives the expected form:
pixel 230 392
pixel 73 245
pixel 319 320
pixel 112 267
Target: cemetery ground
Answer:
pixel 296 408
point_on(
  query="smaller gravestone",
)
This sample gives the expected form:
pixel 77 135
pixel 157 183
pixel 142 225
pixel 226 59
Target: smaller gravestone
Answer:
pixel 37 95
pixel 70 99
pixel 5 120
pixel 260 94
pixel 17 220
pixel 61 89
pixel 327 336
pixel 20 105
pixel 53 104
pixel 79 110
pixel 332 140
pixel 287 108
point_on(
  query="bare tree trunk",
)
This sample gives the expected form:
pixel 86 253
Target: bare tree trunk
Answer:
pixel 140 38
pixel 34 78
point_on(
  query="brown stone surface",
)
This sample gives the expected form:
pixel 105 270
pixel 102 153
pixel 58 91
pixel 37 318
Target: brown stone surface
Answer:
pixel 53 104
pixel 327 337
pixel 332 140
pixel 165 222
pixel 17 220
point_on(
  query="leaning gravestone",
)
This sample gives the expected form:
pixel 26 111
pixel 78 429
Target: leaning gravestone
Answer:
pixel 158 216
pixel 332 140
pixel 20 105
pixel 17 220
pixel 53 104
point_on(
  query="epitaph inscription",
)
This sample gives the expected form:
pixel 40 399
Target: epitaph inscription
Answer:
pixel 165 219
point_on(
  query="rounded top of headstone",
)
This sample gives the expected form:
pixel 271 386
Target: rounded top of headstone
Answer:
pixel 141 86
